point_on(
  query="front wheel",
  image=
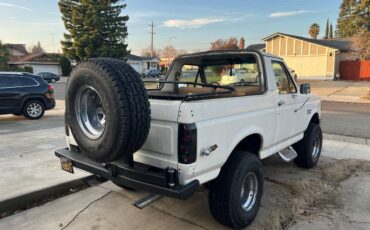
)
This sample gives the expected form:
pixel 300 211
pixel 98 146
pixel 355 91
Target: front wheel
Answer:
pixel 309 148
pixel 235 195
pixel 33 110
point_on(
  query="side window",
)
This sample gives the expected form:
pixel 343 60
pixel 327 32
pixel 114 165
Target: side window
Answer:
pixel 284 82
pixel 4 82
pixel 189 73
pixel 26 81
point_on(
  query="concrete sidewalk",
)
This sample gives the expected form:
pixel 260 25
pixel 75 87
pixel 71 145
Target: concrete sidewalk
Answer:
pixel 29 170
pixel 340 91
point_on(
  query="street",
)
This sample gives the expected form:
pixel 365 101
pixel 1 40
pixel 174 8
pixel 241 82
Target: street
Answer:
pixel 343 119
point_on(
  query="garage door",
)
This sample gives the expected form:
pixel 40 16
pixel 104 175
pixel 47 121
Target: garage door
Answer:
pixel 309 67
pixel 46 68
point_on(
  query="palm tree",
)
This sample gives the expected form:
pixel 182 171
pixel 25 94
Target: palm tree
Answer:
pixel 314 30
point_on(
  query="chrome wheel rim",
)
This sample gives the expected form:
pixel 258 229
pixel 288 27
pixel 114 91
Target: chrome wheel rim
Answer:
pixel 249 191
pixel 90 112
pixel 316 147
pixel 34 109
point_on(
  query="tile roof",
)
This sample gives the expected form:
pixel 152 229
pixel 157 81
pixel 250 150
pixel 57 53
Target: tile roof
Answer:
pixel 35 57
pixel 19 47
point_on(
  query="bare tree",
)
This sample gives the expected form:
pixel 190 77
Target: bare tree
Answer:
pixel 221 44
pixel 314 30
pixel 148 51
pixel 361 44
pixel 169 52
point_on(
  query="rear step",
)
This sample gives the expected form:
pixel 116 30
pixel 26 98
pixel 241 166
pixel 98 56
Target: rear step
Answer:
pixel 288 154
pixel 146 200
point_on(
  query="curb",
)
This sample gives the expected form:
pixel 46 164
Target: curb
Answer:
pixel 349 139
pixel 28 200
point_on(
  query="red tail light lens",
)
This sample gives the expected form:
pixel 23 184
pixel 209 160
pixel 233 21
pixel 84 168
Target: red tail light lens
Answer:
pixel 187 143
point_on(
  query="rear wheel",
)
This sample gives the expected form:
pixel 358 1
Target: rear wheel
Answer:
pixel 33 109
pixel 235 195
pixel 309 148
pixel 108 109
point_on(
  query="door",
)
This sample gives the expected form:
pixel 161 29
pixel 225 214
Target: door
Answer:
pixel 10 93
pixel 287 102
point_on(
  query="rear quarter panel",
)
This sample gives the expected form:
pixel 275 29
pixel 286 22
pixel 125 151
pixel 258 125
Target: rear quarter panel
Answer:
pixel 225 122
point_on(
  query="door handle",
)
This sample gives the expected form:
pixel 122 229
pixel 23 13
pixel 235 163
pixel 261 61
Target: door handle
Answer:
pixel 280 103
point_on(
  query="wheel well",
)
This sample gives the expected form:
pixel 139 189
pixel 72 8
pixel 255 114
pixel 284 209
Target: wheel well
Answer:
pixel 315 119
pixel 251 143
pixel 33 99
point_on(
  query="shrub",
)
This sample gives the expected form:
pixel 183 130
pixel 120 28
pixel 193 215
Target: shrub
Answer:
pixel 65 65
pixel 28 69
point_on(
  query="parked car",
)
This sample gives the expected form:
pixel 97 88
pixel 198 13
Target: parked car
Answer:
pixel 49 77
pixel 152 73
pixel 25 94
pixel 242 75
pixel 170 140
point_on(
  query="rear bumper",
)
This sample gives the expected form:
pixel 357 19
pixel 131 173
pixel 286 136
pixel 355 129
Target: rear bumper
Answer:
pixel 140 176
pixel 50 104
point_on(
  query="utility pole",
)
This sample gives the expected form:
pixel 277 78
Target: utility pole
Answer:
pixel 152 39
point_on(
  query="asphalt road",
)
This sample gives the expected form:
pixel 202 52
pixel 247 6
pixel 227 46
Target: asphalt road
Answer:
pixel 346 119
pixel 338 118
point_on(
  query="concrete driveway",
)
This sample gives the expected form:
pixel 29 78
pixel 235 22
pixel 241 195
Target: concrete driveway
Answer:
pixel 334 195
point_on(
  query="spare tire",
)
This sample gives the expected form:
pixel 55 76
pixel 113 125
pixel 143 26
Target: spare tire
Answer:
pixel 107 109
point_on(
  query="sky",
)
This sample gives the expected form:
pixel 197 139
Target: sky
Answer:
pixel 187 25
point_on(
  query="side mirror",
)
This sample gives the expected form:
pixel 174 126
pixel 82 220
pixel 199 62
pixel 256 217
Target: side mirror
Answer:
pixel 305 88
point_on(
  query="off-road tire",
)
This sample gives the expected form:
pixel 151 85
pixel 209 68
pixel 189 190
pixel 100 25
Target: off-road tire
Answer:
pixel 225 191
pixel 305 147
pixel 29 116
pixel 126 105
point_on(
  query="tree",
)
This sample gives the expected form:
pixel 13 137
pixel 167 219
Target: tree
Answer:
pixel 314 30
pixel 331 36
pixel 221 44
pixel 354 15
pixel 327 30
pixel 37 48
pixel 65 65
pixel 148 51
pixel 361 44
pixel 4 56
pixel 94 29
pixel 169 52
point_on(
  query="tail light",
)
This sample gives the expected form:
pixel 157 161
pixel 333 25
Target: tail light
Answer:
pixel 187 143
pixel 50 87
pixel 50 93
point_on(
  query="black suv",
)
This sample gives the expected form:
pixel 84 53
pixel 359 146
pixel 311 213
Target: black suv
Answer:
pixel 24 93
pixel 49 77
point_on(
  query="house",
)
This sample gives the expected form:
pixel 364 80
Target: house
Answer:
pixel 40 62
pixel 260 47
pixel 310 58
pixel 141 64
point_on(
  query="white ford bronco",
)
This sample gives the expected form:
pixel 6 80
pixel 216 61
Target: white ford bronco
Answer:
pixel 170 136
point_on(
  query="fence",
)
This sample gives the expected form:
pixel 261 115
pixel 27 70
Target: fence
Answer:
pixel 355 70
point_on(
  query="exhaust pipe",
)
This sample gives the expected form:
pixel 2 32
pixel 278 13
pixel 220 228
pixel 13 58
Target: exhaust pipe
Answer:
pixel 146 200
